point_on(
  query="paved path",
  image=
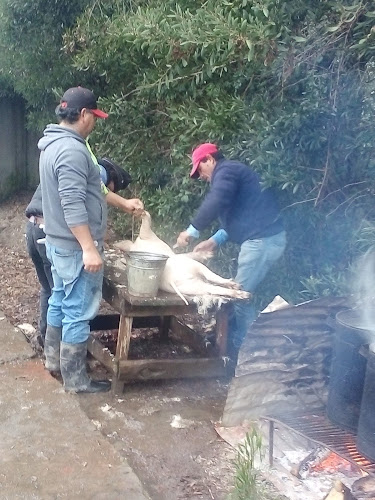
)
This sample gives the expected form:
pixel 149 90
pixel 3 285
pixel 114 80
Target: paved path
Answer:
pixel 49 449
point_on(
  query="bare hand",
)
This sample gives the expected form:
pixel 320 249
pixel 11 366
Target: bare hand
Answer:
pixel 206 246
pixel 182 240
pixel 134 206
pixel 92 260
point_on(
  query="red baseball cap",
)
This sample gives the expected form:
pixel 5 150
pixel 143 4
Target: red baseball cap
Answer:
pixel 79 98
pixel 199 153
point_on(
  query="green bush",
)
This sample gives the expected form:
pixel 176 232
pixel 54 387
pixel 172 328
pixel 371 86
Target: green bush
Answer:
pixel 287 87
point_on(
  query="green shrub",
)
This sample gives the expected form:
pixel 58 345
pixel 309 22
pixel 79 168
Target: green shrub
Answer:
pixel 287 87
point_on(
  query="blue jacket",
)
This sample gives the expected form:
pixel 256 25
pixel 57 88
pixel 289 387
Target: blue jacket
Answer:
pixel 236 198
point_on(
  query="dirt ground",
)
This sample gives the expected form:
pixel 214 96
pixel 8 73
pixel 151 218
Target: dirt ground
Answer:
pixel 165 429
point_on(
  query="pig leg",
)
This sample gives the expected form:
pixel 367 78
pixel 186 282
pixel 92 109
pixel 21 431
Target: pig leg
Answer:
pixel 225 292
pixel 210 276
pixel 198 287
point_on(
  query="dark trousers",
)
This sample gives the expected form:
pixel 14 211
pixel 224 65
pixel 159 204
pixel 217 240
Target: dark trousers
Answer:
pixel 37 252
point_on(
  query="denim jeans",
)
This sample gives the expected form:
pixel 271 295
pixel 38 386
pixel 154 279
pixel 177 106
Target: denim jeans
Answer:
pixel 37 252
pixel 254 261
pixel 76 294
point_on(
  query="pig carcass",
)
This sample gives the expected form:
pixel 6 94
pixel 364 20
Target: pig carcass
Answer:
pixel 183 274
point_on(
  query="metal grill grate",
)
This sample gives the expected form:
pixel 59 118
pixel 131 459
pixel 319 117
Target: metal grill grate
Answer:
pixel 318 428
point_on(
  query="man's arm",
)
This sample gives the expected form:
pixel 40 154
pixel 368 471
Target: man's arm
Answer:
pixel 219 198
pixel 185 236
pixel 217 239
pixel 92 260
pixel 132 206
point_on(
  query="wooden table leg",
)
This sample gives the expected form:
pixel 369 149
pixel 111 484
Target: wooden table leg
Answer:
pixel 117 386
pixel 122 349
pixel 222 329
pixel 123 338
pixel 165 324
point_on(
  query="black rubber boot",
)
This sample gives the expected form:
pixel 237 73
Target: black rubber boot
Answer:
pixel 73 370
pixel 52 349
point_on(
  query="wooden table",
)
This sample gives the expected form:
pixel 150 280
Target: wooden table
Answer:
pixel 160 311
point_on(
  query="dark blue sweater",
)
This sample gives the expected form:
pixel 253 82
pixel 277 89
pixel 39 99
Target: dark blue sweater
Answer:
pixel 245 210
pixel 35 205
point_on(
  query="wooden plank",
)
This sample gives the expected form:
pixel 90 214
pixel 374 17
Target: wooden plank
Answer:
pixel 102 354
pixel 123 337
pixel 165 325
pixel 115 273
pixel 191 338
pixel 148 322
pixel 152 369
pixel 117 386
pixel 222 329
pixel 160 311
pixel 161 299
pixel 145 307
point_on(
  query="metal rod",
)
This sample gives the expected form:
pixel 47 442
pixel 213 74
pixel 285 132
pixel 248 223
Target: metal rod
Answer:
pixel 316 428
pixel 271 429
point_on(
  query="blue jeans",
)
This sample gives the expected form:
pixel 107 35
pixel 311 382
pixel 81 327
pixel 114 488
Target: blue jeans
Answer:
pixel 254 261
pixel 76 294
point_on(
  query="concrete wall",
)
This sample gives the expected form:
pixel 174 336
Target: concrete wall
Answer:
pixel 18 149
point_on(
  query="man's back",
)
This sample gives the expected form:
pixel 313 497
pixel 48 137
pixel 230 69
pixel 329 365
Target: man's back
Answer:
pixel 237 199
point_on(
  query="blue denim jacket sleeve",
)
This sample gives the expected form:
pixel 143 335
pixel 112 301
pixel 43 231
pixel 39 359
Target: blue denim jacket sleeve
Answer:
pixel 192 231
pixel 220 237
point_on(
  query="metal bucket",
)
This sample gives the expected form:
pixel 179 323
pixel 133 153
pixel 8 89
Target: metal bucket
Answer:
pixel 366 424
pixel 144 271
pixel 348 369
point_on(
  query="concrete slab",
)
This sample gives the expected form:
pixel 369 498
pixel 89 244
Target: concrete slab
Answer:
pixel 49 447
pixel 13 343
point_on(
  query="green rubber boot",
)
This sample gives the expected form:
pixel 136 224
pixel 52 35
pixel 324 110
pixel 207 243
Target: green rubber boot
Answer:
pixel 52 349
pixel 73 370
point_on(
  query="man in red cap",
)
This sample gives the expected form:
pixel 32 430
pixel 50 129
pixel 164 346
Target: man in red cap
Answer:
pixel 249 216
pixel 74 205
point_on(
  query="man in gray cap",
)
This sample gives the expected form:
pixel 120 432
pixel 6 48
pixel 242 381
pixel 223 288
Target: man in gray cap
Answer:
pixel 75 217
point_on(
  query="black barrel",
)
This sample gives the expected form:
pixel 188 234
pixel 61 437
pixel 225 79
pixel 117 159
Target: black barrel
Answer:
pixel 366 424
pixel 348 369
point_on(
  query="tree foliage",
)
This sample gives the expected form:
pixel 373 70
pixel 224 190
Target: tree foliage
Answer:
pixel 287 87
pixel 31 55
